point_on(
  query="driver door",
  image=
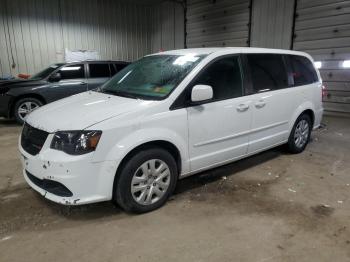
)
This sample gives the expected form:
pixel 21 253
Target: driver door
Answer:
pixel 219 129
pixel 72 81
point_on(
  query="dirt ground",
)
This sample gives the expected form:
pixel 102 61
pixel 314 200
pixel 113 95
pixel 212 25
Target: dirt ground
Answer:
pixel 270 207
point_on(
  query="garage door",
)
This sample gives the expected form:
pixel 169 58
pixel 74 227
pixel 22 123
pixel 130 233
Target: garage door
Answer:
pixel 217 23
pixel 322 28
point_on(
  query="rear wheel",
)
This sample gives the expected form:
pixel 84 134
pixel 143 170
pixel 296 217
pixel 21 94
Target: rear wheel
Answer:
pixel 25 106
pixel 300 135
pixel 146 180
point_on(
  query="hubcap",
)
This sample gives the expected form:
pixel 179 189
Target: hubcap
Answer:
pixel 150 182
pixel 25 108
pixel 301 133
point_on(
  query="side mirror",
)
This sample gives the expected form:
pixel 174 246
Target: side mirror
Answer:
pixel 201 93
pixel 55 77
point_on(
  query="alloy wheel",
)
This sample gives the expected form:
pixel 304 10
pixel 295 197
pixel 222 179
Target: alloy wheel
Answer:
pixel 301 133
pixel 26 107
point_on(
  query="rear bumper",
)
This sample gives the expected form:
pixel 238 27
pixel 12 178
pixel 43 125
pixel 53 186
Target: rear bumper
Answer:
pixel 318 118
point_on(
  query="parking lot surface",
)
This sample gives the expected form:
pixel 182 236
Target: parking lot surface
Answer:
pixel 270 207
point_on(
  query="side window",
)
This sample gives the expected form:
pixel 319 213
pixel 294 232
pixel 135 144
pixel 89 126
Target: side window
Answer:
pixel 303 71
pixel 99 70
pixel 72 72
pixel 268 72
pixel 224 76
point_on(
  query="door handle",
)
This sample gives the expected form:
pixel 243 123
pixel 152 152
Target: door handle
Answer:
pixel 260 104
pixel 242 107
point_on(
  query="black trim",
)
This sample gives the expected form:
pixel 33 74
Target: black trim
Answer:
pixel 288 66
pixel 50 186
pixel 249 90
pixel 33 139
pixel 183 100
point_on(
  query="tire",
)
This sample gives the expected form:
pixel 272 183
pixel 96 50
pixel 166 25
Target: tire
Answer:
pixel 300 135
pixel 27 103
pixel 137 174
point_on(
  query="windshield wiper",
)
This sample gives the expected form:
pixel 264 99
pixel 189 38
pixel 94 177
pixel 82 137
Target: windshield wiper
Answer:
pixel 119 93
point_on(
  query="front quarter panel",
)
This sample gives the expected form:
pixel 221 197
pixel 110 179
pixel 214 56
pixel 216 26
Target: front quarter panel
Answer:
pixel 116 142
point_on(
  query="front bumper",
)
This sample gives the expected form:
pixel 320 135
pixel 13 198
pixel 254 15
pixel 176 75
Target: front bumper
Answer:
pixel 5 102
pixel 54 174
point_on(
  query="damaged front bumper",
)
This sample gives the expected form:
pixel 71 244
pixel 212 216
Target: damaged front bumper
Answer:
pixel 66 179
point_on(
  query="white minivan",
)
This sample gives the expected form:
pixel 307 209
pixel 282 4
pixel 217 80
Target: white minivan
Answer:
pixel 167 116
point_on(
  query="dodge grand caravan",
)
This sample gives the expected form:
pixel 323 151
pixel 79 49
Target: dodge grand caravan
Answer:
pixel 168 116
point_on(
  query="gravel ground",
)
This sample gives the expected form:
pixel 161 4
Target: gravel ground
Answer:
pixel 270 207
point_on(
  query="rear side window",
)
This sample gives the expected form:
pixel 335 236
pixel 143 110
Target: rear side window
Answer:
pixel 268 72
pixel 72 72
pixel 99 70
pixel 303 71
pixel 224 76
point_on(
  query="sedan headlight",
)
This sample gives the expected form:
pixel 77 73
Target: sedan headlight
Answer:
pixel 76 142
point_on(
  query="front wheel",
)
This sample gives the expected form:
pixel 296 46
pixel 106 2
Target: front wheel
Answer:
pixel 300 135
pixel 146 180
pixel 25 106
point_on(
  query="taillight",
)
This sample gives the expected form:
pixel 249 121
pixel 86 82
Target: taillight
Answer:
pixel 324 93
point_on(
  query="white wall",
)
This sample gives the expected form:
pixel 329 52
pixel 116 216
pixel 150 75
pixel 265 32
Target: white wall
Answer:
pixel 35 33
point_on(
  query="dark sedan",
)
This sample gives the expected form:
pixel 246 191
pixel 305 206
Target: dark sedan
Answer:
pixel 19 97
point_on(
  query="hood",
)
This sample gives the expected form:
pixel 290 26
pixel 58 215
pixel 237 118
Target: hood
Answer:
pixel 83 110
pixel 20 83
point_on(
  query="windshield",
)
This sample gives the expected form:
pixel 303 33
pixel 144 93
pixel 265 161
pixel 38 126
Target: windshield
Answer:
pixel 151 77
pixel 46 72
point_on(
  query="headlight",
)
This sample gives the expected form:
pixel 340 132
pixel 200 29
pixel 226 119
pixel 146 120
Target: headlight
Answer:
pixel 76 142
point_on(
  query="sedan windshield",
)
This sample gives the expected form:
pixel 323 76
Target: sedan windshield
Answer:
pixel 46 72
pixel 152 77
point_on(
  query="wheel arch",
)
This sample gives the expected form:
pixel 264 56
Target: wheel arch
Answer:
pixel 305 108
pixel 29 95
pixel 166 145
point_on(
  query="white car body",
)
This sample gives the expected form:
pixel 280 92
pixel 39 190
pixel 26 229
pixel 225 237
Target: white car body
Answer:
pixel 207 136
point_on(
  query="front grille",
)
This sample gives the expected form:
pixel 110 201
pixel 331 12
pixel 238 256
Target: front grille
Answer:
pixel 32 139
pixel 51 186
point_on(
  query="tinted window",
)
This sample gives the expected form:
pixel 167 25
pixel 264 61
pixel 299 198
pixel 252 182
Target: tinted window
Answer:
pixel 115 68
pixel 268 72
pixel 99 70
pixel 303 71
pixel 72 72
pixel 224 76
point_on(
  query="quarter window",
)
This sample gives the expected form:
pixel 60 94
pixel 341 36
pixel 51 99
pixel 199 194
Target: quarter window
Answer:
pixel 72 72
pixel 224 76
pixel 303 71
pixel 267 71
pixel 99 70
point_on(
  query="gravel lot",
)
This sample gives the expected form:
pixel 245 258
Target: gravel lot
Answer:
pixel 270 207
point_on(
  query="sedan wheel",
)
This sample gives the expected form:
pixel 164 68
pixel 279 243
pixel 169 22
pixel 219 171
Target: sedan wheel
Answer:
pixel 24 107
